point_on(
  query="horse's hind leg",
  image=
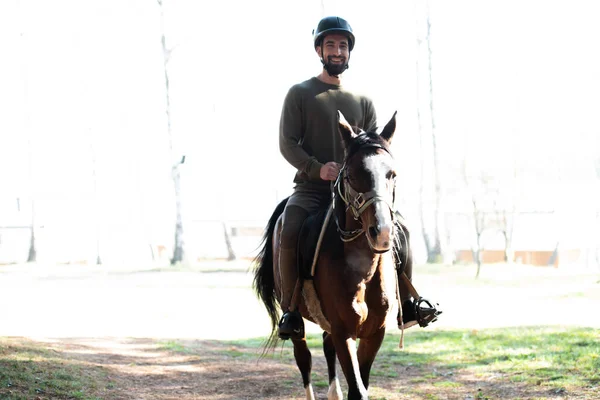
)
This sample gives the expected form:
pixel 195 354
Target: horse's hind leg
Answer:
pixel 367 350
pixel 304 363
pixel 335 392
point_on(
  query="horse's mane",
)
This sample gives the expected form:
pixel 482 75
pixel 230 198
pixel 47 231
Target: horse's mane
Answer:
pixel 366 139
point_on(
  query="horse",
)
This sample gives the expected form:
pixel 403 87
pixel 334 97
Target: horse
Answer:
pixel 355 278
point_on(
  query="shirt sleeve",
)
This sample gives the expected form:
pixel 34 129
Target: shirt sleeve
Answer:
pixel 290 137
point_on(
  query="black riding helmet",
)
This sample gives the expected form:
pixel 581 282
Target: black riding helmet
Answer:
pixel 329 25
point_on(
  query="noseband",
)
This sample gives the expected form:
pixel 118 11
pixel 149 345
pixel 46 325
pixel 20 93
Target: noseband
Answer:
pixel 358 202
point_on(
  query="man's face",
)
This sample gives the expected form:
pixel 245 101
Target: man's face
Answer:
pixel 335 52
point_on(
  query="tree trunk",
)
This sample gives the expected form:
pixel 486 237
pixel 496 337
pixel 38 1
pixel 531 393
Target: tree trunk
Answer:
pixel 597 249
pixel 431 234
pixel 32 256
pixel 436 251
pixel 478 261
pixel 178 248
pixel 96 202
pixel 230 252
pixel 477 257
pixel 479 218
pixel 426 238
pixel 553 261
pixel 509 253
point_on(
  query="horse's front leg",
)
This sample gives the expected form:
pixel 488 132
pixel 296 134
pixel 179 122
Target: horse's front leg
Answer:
pixel 345 347
pixel 367 350
pixel 304 363
pixel 335 391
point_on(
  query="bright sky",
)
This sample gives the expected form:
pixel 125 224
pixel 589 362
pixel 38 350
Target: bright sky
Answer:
pixel 83 81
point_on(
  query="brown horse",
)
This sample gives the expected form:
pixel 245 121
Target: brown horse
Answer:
pixel 355 283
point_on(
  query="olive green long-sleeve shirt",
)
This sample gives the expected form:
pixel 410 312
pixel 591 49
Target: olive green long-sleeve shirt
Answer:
pixel 308 130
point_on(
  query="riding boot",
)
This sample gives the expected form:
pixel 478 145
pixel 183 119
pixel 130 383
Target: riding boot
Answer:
pixel 414 311
pixel 408 315
pixel 291 324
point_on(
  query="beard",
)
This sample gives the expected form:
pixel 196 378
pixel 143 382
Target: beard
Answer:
pixel 335 69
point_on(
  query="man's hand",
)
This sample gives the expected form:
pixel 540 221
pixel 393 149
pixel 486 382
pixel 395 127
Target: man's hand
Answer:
pixel 330 171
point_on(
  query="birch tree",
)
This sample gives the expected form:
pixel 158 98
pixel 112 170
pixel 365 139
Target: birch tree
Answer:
pixel 597 216
pixel 32 253
pixel 96 200
pixel 429 147
pixel 230 251
pixel 477 186
pixel 179 245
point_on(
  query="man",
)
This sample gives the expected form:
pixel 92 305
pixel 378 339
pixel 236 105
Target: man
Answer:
pixel 309 140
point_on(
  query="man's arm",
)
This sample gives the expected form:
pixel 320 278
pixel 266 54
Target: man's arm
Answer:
pixel 290 136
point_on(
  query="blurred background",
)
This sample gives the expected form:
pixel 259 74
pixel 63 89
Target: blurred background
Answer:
pixel 147 131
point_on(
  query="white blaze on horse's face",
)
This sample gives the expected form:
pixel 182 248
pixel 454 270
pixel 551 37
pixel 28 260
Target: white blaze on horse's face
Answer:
pixel 380 229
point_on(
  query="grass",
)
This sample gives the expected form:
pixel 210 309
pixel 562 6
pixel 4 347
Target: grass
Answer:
pixel 28 371
pixel 174 347
pixel 558 358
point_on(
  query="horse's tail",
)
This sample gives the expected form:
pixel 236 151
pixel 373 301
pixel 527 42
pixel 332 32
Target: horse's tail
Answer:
pixel 264 279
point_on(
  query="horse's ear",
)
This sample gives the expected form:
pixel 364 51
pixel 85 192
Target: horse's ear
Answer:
pixel 388 131
pixel 345 129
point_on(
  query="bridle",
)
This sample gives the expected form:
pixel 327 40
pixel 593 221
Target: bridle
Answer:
pixel 356 201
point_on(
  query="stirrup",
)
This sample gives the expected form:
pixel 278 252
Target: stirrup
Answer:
pixel 427 313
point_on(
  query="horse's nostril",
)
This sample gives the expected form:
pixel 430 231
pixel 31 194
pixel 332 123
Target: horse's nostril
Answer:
pixel 374 231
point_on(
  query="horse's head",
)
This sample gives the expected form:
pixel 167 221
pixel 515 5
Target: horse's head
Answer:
pixel 366 183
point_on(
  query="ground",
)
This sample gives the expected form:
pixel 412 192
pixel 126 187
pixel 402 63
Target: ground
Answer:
pixel 171 333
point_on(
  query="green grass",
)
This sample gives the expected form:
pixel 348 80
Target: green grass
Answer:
pixel 554 357
pixel 174 347
pixel 559 358
pixel 31 372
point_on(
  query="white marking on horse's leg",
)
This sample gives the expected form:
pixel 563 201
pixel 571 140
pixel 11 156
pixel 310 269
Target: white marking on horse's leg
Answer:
pixel 335 391
pixel 310 394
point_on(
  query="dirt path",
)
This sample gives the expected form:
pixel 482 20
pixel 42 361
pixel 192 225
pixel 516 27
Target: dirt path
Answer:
pixel 138 369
